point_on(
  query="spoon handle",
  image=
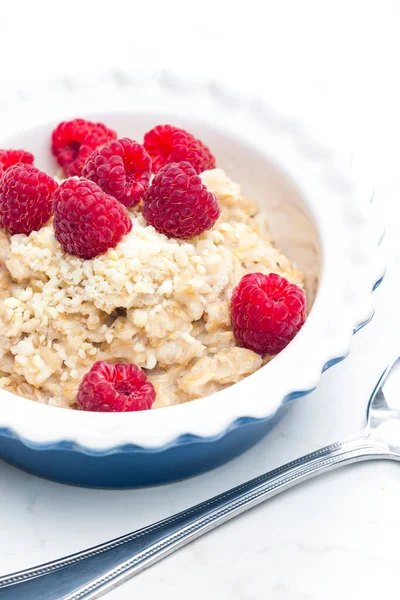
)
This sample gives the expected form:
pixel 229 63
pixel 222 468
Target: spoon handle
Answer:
pixel 93 572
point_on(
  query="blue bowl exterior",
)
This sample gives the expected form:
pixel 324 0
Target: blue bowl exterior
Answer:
pixel 131 466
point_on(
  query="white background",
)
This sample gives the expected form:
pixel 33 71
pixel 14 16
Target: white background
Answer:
pixel 336 64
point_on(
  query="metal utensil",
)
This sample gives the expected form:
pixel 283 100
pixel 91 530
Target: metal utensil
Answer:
pixel 93 572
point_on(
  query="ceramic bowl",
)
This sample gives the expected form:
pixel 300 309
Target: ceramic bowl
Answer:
pixel 318 214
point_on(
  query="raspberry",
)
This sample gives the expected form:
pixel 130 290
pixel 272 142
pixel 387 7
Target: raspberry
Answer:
pixel 74 141
pixel 26 196
pixel 167 144
pixel 87 222
pixel 267 312
pixel 122 168
pixel 178 204
pixel 115 388
pixel 8 158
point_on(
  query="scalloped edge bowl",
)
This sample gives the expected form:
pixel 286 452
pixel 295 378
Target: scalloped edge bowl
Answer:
pixel 153 447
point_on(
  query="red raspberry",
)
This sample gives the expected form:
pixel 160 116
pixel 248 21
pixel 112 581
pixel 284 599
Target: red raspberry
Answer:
pixel 8 158
pixel 74 141
pixel 267 312
pixel 122 168
pixel 26 196
pixel 115 388
pixel 167 144
pixel 87 222
pixel 178 204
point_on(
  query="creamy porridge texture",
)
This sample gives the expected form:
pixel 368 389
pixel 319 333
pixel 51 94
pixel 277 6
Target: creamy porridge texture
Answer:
pixel 159 302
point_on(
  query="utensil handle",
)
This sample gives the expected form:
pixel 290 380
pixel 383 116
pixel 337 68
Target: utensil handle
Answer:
pixel 93 572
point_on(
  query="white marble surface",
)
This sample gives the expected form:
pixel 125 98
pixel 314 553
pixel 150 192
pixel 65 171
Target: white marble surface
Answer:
pixel 336 536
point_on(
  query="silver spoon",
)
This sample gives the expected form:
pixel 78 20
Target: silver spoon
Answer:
pixel 93 572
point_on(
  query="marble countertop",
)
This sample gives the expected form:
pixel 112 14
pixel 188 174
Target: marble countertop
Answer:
pixel 335 536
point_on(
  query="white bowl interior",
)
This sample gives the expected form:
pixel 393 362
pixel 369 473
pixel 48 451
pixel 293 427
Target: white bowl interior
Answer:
pixel 290 219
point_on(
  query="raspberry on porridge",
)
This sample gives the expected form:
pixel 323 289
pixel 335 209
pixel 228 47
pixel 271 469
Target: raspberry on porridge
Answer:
pixel 72 143
pixel 26 196
pixel 159 304
pixel 121 168
pixel 167 144
pixel 87 222
pixel 115 388
pixel 267 312
pixel 8 158
pixel 178 204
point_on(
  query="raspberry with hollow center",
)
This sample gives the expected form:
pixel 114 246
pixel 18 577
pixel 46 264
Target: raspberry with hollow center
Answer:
pixel 115 388
pixel 267 312
pixel 122 168
pixel 74 141
pixel 88 222
pixel 167 144
pixel 178 204
pixel 8 158
pixel 26 196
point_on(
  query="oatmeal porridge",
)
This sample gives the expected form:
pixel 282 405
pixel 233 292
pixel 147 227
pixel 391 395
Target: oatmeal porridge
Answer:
pixel 162 303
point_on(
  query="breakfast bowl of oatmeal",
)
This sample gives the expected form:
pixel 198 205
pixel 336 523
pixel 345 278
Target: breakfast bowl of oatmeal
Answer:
pixel 176 265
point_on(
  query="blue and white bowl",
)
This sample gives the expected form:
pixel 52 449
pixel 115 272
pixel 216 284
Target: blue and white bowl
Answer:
pixel 318 215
